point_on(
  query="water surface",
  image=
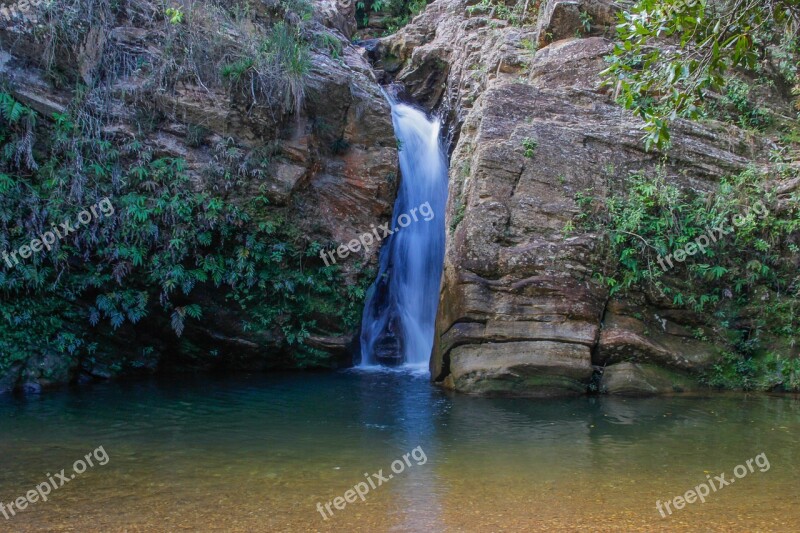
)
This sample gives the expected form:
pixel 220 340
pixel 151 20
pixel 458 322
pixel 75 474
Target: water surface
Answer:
pixel 256 453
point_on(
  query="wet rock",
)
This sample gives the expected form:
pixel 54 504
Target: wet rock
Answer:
pixel 537 368
pixel 31 387
pixel 9 379
pixel 628 338
pixel 46 369
pixel 636 379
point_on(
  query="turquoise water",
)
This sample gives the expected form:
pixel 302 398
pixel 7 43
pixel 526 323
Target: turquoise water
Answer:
pixel 257 453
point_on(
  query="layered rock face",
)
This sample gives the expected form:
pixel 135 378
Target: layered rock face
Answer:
pixel 520 312
pixel 333 169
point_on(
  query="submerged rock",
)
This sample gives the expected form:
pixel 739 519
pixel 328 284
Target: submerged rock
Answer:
pixel 634 379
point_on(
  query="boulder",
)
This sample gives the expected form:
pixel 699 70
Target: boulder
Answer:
pixel 635 379
pixel 537 368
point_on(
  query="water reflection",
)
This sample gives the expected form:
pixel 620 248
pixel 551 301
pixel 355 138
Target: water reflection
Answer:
pixel 270 447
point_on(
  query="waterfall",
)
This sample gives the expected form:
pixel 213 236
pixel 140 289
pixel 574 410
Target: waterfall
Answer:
pixel 397 327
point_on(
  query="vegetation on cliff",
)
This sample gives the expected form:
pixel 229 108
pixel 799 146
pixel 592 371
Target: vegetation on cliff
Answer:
pixel 744 279
pixel 389 15
pixel 674 55
pixel 175 232
pixel 165 240
pixel 704 60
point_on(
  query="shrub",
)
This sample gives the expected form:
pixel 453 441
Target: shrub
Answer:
pixel 711 39
pixel 529 145
pixel 168 237
pixel 747 280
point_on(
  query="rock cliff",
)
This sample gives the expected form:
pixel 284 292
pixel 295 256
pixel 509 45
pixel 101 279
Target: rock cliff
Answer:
pixel 169 81
pixel 520 311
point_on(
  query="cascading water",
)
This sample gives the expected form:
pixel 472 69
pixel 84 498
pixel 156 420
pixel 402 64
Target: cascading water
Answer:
pixel 400 313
